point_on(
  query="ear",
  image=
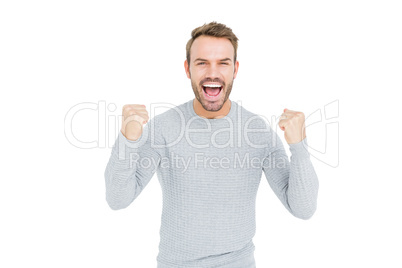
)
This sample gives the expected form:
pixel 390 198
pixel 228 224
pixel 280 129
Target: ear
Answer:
pixel 236 69
pixel 187 69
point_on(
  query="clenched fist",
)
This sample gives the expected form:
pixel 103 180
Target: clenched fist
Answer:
pixel 134 116
pixel 293 123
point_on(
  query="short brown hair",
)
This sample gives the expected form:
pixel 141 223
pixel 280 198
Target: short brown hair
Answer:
pixel 212 29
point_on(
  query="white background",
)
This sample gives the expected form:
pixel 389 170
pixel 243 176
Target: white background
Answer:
pixel 300 55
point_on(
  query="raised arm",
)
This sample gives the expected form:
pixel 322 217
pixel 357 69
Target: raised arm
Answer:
pixel 295 183
pixel 132 163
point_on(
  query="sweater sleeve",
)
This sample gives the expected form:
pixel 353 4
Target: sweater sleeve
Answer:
pixel 295 183
pixel 131 166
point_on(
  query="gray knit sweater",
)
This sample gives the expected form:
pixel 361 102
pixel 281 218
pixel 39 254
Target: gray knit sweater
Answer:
pixel 209 171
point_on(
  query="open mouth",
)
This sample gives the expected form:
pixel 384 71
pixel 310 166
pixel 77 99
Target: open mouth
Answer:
pixel 212 90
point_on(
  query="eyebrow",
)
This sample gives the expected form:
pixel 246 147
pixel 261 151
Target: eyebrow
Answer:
pixel 200 59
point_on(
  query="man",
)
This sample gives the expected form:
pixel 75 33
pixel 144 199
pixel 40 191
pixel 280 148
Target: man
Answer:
pixel 209 154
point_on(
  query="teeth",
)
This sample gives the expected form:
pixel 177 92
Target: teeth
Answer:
pixel 212 85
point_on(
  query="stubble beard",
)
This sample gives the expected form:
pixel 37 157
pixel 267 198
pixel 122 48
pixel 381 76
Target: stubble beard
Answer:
pixel 211 106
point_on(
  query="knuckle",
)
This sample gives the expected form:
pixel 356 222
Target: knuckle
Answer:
pixel 126 108
pixel 299 114
pixel 141 110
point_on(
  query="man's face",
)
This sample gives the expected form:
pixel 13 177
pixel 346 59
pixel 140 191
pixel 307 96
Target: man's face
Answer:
pixel 211 71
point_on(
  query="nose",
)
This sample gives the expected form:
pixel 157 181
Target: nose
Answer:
pixel 212 72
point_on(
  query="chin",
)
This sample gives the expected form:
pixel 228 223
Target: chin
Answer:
pixel 212 106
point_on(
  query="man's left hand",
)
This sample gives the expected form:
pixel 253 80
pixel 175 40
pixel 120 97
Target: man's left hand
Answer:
pixel 293 123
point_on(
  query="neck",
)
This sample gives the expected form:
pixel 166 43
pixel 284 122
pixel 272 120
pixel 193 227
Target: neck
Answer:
pixel 200 111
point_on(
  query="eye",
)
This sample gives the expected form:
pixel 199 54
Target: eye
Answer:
pixel 225 63
pixel 201 63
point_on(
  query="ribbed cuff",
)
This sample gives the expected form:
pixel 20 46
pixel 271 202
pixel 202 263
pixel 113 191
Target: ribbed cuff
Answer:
pixel 300 149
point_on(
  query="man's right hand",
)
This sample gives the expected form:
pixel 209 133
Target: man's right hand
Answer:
pixel 134 116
